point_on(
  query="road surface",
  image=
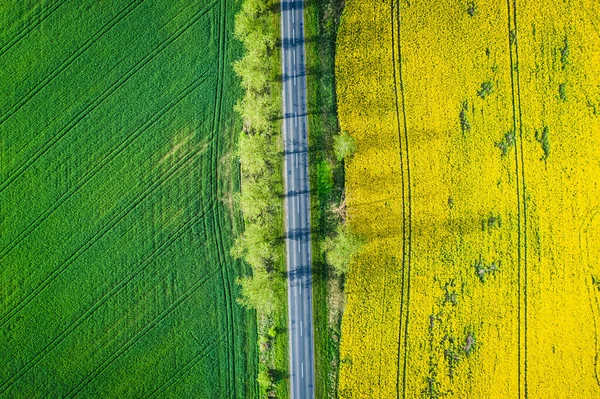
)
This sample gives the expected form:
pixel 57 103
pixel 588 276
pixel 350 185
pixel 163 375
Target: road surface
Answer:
pixel 297 201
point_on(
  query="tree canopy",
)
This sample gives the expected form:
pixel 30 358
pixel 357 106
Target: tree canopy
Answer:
pixel 342 248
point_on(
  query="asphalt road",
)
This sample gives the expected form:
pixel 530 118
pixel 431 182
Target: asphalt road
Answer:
pixel 297 201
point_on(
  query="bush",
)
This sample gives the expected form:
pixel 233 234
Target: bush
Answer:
pixel 344 146
pixel 342 248
pixel 264 379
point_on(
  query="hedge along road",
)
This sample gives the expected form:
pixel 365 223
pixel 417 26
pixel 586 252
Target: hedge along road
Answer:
pixel 297 200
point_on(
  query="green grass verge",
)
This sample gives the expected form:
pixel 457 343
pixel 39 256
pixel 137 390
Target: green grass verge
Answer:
pixel 327 183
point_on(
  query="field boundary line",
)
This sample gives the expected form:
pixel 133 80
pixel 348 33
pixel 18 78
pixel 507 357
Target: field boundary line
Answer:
pixel 100 99
pixel 98 167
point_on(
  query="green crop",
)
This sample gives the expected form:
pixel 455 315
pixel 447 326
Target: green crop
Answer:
pixel 116 174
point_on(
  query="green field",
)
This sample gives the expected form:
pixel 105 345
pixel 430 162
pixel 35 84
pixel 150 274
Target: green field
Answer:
pixel 117 171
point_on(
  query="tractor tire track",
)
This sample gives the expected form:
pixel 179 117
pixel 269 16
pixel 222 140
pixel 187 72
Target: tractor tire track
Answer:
pixel 104 298
pixel 90 173
pixel 117 218
pixel 70 60
pixel 406 202
pixel 100 99
pixel 521 198
pixel 524 205
pixel 36 22
pixel 219 217
pixel 216 226
pixel 184 369
pixel 81 97
pixel 139 335
pixel 393 5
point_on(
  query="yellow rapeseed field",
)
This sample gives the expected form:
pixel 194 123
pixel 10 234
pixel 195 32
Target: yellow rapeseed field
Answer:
pixel 476 187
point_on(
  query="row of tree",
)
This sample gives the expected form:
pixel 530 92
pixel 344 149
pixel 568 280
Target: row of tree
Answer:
pixel 261 244
pixel 261 196
pixel 260 200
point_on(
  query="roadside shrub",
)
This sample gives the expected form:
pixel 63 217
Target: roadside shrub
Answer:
pixel 342 248
pixel 344 146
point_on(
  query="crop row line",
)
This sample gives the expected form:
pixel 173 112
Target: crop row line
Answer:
pixel 90 173
pixel 70 59
pixel 230 282
pixel 30 27
pixel 185 368
pixel 117 218
pixel 404 156
pixel 382 325
pixel 139 335
pixel 142 266
pixel 100 99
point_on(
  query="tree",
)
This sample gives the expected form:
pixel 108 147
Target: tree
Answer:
pixel 255 31
pixel 342 248
pixel 258 110
pixel 256 152
pixel 257 198
pixel 254 72
pixel 256 246
pixel 344 146
pixel 258 293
